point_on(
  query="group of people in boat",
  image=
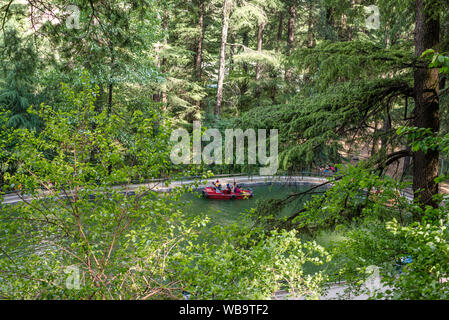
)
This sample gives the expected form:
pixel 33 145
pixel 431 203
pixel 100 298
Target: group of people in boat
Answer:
pixel 328 169
pixel 229 189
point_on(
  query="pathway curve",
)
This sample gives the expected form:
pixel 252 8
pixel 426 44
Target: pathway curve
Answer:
pixel 13 198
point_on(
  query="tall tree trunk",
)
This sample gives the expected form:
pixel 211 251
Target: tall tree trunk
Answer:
pixel 291 27
pixel 310 26
pixel 199 52
pixel 231 50
pixel 221 71
pixel 161 65
pixel 386 127
pixel 375 140
pixel 259 47
pixel 245 41
pixel 156 95
pixel 244 87
pixel 343 30
pixel 280 29
pixel 164 59
pixel 111 75
pixel 110 87
pixel 291 37
pixel 259 50
pixel 348 29
pixel 329 24
pixel 99 102
pixel 426 113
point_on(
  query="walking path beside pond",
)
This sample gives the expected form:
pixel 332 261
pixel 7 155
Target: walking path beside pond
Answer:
pixel 334 292
pixel 160 186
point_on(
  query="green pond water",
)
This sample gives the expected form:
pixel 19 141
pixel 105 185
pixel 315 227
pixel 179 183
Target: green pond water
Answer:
pixel 226 212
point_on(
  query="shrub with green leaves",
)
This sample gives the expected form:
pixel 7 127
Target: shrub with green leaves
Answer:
pixel 75 217
pixel 256 265
pixel 83 231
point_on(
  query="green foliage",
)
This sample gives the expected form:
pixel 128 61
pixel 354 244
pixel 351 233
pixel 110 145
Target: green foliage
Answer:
pixel 312 129
pixel 380 231
pixel 436 60
pixel 124 246
pixel 103 238
pixel 17 79
pixel 423 139
pixel 119 38
pixel 357 195
pixel 426 276
pixel 333 62
pixel 257 267
pixel 385 244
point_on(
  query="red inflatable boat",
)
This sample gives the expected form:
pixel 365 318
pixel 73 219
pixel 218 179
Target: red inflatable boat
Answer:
pixel 214 193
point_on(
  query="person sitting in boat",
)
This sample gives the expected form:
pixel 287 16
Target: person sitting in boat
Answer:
pixel 217 185
pixel 237 189
pixel 228 188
